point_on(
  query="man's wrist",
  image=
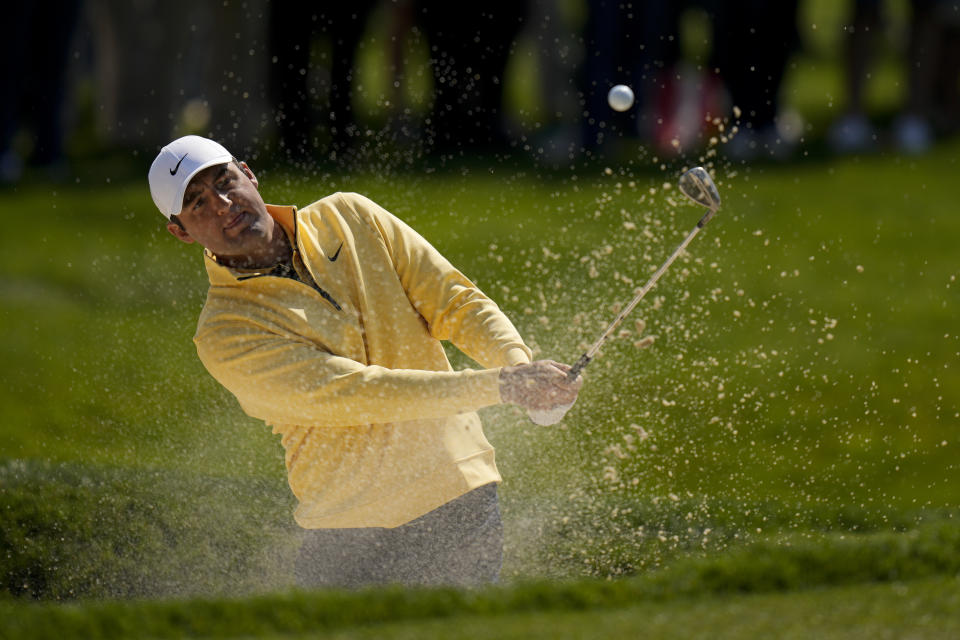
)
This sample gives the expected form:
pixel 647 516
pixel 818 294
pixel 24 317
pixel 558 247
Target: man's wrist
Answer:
pixel 504 385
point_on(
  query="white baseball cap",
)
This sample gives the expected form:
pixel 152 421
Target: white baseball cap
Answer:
pixel 176 164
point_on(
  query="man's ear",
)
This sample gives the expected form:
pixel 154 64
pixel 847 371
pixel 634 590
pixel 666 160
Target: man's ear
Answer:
pixel 179 233
pixel 247 172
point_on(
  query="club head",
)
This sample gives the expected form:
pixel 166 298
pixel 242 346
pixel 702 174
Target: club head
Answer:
pixel 697 185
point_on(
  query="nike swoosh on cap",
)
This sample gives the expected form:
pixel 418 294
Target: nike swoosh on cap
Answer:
pixel 334 257
pixel 173 171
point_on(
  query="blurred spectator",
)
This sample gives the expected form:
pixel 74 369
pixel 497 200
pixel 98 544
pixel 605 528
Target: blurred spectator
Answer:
pixel 640 44
pixel 933 101
pixel 33 70
pixel 679 97
pixel 612 39
pixel 932 69
pixel 853 132
pixel 469 49
pixel 754 40
pixel 294 27
pixel 553 26
pixel 163 68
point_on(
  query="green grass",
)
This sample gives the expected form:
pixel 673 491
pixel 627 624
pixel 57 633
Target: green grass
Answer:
pixel 918 609
pixel 925 609
pixel 801 379
pixel 798 567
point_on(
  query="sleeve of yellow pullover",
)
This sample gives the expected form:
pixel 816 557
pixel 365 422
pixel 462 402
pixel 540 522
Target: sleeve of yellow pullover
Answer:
pixel 282 380
pixel 454 308
pixel 285 381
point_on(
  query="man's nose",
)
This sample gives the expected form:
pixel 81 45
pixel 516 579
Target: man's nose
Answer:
pixel 222 202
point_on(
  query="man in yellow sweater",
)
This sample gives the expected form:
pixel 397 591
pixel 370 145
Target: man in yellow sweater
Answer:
pixel 326 322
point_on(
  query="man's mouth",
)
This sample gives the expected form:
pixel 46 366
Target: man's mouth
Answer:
pixel 237 219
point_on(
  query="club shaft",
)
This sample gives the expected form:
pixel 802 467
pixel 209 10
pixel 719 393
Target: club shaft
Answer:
pixel 592 351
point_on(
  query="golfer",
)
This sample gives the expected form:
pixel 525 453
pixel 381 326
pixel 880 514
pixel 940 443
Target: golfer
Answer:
pixel 326 322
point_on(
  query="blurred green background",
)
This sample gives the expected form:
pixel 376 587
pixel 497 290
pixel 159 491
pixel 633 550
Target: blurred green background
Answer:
pixel 800 396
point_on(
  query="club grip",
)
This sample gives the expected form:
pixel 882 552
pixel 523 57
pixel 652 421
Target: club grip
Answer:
pixel 578 367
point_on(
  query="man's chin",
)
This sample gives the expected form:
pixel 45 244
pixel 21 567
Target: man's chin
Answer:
pixel 249 242
pixel 251 225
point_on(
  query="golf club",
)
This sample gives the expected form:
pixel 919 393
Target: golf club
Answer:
pixel 695 184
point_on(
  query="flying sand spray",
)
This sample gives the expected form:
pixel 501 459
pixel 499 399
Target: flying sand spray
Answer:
pixel 697 185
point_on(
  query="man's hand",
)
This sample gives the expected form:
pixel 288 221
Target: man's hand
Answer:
pixel 539 385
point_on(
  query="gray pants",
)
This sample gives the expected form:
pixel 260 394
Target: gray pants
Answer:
pixel 460 544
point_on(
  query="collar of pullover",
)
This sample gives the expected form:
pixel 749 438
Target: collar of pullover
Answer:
pixel 285 215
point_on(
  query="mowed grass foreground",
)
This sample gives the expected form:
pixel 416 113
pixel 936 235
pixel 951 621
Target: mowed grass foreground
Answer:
pixel 801 394
pixel 783 602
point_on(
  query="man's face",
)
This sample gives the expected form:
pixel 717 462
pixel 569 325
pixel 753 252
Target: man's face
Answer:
pixel 223 211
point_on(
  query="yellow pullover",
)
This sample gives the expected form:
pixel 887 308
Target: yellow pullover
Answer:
pixel 347 365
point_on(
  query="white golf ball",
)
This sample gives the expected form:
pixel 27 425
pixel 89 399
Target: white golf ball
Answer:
pixel 620 97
